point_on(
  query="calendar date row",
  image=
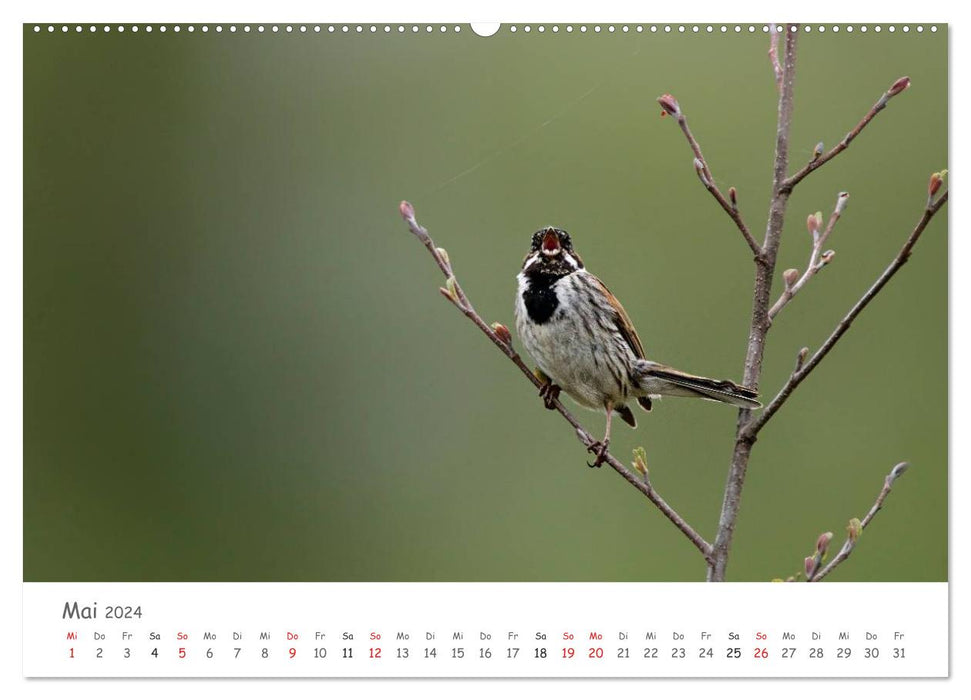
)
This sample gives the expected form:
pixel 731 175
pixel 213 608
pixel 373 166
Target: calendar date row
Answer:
pixel 462 652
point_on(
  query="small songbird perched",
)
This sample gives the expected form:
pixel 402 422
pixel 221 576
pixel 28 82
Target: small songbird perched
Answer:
pixel 585 344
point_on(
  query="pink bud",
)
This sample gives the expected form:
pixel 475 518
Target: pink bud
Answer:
pixel 406 210
pixel 937 179
pixel 790 276
pixel 503 333
pixel 900 84
pixel 669 105
pixel 733 196
pixel 813 223
pixel 823 542
pixel 810 565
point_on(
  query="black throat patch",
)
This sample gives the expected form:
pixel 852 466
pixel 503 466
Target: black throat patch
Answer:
pixel 540 298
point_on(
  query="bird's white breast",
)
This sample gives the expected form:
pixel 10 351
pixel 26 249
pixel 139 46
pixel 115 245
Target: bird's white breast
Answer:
pixel 571 347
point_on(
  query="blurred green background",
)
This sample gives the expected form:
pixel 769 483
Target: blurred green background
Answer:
pixel 237 365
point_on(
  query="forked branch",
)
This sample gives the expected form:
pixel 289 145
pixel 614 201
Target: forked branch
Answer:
pixel 760 323
pixel 804 369
pixel 820 159
pixel 670 106
pixel 818 258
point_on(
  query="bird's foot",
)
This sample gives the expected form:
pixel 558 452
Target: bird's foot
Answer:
pixel 549 392
pixel 599 449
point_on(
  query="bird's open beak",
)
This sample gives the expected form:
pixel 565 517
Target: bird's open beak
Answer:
pixel 551 242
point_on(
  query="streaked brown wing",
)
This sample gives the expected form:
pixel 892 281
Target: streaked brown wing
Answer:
pixel 624 324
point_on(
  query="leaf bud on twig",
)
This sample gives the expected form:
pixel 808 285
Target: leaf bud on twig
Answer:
pixel 669 105
pixel 937 179
pixel 841 200
pixel 899 85
pixel 443 254
pixel 640 462
pixel 407 211
pixel 700 169
pixel 827 257
pixel 896 472
pixel 450 290
pixel 791 276
pixel 801 358
pixel 853 530
pixel 503 333
pixel 814 222
pixel 733 197
pixel 810 567
pixel 818 151
pixel 823 543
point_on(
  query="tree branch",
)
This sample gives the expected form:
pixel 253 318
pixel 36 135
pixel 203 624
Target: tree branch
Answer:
pixel 803 371
pixel 853 531
pixel 501 338
pixel 774 56
pixel 670 106
pixel 819 159
pixel 764 270
pixel 817 258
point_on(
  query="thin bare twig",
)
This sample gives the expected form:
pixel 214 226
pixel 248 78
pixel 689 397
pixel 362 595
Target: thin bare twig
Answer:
pixel 819 160
pixel 670 105
pixel 796 378
pixel 818 259
pixel 502 339
pixel 774 56
pixel 764 270
pixel 856 527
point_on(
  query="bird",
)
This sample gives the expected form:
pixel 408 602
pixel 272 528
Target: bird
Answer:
pixel 584 343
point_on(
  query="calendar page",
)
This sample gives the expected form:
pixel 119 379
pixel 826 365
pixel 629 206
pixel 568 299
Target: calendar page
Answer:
pixel 512 350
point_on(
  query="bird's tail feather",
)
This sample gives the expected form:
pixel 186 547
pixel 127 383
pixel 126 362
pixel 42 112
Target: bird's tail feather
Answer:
pixel 656 379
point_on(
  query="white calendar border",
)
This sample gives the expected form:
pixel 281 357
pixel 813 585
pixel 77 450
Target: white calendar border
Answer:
pixel 424 10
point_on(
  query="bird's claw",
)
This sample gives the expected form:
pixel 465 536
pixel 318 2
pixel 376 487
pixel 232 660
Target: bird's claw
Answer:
pixel 550 393
pixel 600 449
